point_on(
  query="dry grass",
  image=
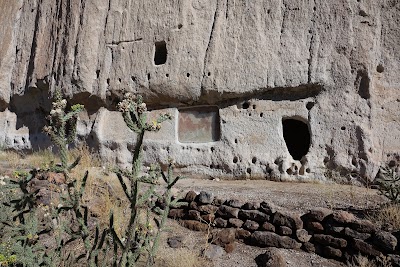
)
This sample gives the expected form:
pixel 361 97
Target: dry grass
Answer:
pixel 43 158
pixel 89 158
pixel 181 257
pixel 19 160
pixel 103 195
pixel 12 159
pixel 388 214
pixel 362 261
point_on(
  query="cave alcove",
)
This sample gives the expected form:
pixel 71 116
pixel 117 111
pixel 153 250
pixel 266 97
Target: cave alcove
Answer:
pixel 297 137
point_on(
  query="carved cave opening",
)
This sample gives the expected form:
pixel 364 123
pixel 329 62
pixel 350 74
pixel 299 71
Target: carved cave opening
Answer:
pixel 297 137
pixel 160 54
pixel 363 82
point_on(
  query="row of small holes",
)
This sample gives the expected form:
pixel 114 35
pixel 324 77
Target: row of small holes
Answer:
pixel 133 78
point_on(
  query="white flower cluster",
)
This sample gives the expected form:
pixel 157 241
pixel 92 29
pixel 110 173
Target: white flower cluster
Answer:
pixel 46 210
pixel 124 105
pixel 48 129
pixel 142 108
pixel 155 126
pixel 61 104
pixel 2 178
pixel 130 97
pixel 56 112
pixel 130 103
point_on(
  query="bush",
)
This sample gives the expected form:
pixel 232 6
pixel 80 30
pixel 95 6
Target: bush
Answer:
pixel 389 184
pixel 35 234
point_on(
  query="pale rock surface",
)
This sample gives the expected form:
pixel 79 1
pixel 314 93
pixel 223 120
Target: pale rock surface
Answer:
pixel 333 65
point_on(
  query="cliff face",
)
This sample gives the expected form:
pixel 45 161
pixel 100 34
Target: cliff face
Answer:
pixel 280 88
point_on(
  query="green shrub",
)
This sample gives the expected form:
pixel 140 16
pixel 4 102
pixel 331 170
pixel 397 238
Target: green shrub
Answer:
pixel 28 227
pixel 389 184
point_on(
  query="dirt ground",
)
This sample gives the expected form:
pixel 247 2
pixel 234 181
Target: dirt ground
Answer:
pixel 289 195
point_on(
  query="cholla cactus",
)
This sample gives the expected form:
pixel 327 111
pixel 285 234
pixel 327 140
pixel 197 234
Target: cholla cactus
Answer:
pixel 134 112
pixel 389 184
pixel 62 127
pixel 138 238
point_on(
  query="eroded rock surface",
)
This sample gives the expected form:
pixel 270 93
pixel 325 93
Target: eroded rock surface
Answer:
pixel 279 89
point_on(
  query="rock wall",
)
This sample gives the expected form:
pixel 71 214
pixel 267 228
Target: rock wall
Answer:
pixel 282 89
pixel 332 234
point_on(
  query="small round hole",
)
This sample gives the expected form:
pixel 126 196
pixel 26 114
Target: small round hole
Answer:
pixel 209 74
pixel 248 170
pixel 254 160
pixel 308 170
pixel 246 105
pixel 167 75
pixel 133 78
pixel 212 149
pixel 261 115
pixel 236 141
pixel 235 159
pixel 188 75
pixel 343 128
pixel 380 68
pixel 254 106
pixel 310 105
pixel 180 26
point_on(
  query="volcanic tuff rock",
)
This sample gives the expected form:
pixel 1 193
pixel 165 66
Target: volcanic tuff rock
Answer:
pixel 279 89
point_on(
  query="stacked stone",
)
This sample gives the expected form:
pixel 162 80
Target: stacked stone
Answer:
pixel 331 234
pixel 341 235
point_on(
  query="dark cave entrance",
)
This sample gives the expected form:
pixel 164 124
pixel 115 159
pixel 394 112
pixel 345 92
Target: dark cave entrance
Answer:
pixel 297 137
pixel 160 54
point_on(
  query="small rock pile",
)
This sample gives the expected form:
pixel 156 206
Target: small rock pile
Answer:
pixel 331 234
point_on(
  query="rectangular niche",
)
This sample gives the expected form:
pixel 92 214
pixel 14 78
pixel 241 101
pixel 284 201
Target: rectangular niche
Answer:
pixel 199 124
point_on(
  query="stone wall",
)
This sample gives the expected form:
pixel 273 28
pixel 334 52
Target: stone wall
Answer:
pixel 287 89
pixel 333 234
